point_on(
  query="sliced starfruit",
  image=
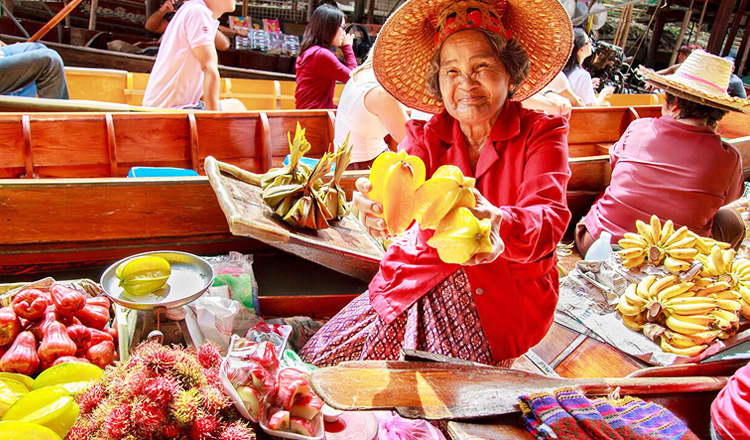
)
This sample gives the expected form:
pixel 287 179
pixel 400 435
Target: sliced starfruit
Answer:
pixel 75 377
pixel 459 236
pixel 15 386
pixel 52 407
pixel 7 397
pixel 143 275
pixel 24 379
pixel 26 431
pixel 446 190
pixel 395 178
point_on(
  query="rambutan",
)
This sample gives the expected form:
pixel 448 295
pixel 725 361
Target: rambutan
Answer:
pixel 209 356
pixel 213 399
pixel 159 359
pixel 185 406
pixel 159 390
pixel 91 398
pixel 189 372
pixel 82 430
pixel 237 431
pixel 147 417
pixel 204 427
pixel 117 422
pixel 171 430
pixel 212 377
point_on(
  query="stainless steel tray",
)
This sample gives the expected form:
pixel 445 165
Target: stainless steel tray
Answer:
pixel 190 277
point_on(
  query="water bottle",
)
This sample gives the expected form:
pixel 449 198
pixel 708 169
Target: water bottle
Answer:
pixel 601 248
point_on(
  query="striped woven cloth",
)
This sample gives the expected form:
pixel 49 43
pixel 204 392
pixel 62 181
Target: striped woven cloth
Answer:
pixel 568 414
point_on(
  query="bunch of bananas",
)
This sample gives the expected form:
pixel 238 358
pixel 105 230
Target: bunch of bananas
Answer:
pixel 721 266
pixel 705 244
pixel 686 316
pixel 658 244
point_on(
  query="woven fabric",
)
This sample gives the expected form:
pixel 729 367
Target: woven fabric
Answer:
pixel 444 321
pixel 568 414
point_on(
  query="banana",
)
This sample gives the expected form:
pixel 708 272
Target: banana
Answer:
pixel 667 230
pixel 634 323
pixel 728 256
pixel 727 294
pixel 627 243
pixel 689 352
pixel 725 319
pixel 682 253
pixel 719 286
pixel 631 253
pixel 672 291
pixel 675 265
pixel 685 243
pixel 717 261
pixel 645 231
pixel 643 286
pixel 680 325
pixel 630 263
pixel 686 341
pixel 660 284
pixel 745 309
pixel 685 310
pixel 729 304
pixel 624 307
pixel 635 237
pixel 655 229
pixel 677 236
pixel 632 297
pixel 691 300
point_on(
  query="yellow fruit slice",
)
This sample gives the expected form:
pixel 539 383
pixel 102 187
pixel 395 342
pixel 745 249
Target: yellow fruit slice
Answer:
pixel 143 275
pixel 26 431
pixel 15 386
pixel 24 379
pixel 447 189
pixel 7 398
pixel 382 167
pixel 398 200
pixel 75 377
pixel 52 407
pixel 460 235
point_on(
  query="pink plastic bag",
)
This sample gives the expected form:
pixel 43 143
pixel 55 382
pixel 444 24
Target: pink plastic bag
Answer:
pixel 395 427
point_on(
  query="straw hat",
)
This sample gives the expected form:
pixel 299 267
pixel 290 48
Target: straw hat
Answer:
pixel 701 78
pixel 408 40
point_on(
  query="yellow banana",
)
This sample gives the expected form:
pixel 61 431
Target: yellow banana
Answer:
pixel 691 300
pixel 632 297
pixel 677 236
pixel 685 243
pixel 729 304
pixel 727 256
pixel 635 237
pixel 745 309
pixel 627 243
pixel 691 309
pixel 672 291
pixel 716 260
pixel 634 323
pixel 719 286
pixel 686 341
pixel 667 230
pixel 675 265
pixel 643 286
pixel 682 253
pixel 630 263
pixel 645 231
pixel 660 284
pixel 727 294
pixel 655 229
pixel 744 291
pixel 624 307
pixel 724 315
pixel 689 352
pixel 680 325
pixel 631 253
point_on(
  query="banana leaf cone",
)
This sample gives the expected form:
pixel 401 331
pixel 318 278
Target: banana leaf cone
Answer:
pixel 281 198
pixel 335 196
pixel 295 172
pixel 309 209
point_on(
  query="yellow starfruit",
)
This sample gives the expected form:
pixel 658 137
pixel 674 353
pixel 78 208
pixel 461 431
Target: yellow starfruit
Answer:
pixel 395 178
pixel 447 189
pixel 459 236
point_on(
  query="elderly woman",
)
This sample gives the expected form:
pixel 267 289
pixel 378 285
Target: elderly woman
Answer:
pixel 470 66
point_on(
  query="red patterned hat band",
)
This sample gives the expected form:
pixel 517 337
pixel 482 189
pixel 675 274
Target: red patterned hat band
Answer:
pixel 470 14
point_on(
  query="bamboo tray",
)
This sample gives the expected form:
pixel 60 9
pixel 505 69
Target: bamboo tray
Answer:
pixel 345 247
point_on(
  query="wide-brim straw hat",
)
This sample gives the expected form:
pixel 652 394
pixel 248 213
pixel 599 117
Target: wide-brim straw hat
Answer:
pixel 701 78
pixel 406 44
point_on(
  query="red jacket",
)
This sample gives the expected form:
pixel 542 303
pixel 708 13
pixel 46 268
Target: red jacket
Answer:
pixel 525 174
pixel 317 71
pixel 730 411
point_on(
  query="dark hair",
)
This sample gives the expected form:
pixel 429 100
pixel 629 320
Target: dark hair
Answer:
pixel 690 109
pixel 324 23
pixel 514 58
pixel 579 40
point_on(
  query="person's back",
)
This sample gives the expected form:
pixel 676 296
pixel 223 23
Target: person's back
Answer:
pixel 176 80
pixel 730 411
pixel 674 170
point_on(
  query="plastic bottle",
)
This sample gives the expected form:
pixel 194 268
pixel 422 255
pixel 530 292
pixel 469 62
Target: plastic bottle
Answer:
pixel 601 248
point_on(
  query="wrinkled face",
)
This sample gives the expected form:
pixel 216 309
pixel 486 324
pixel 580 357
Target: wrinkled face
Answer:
pixel 473 81
pixel 338 40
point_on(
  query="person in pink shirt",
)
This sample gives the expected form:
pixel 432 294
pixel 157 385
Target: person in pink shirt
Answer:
pixel 730 411
pixel 187 66
pixel 317 68
pixel 675 166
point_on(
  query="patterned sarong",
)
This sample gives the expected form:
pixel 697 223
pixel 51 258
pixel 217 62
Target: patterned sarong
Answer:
pixel 568 414
pixel 444 321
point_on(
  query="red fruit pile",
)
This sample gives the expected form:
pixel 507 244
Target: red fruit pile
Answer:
pixel 45 328
pixel 160 393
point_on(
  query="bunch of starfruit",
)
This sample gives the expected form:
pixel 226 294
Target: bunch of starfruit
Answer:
pixel 441 203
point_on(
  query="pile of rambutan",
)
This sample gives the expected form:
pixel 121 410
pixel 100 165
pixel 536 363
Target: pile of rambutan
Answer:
pixel 161 393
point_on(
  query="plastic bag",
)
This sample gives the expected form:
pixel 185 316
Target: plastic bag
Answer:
pixel 219 317
pixel 395 427
pixel 235 270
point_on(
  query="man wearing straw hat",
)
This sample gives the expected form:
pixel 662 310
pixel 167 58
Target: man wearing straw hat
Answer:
pixel 676 166
pixel 469 62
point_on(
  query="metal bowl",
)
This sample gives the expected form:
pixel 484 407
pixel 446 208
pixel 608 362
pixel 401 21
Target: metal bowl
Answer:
pixel 191 276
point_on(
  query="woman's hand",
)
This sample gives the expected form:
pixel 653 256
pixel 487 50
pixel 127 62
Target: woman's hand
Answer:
pixel 369 210
pixel 167 6
pixel 348 39
pixel 485 209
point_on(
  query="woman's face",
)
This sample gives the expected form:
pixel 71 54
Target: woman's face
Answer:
pixel 473 81
pixel 338 39
pixel 584 51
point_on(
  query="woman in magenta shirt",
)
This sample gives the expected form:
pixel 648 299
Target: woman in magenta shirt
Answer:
pixel 317 68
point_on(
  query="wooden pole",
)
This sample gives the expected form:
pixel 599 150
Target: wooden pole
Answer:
pixel 92 16
pixel 735 28
pixel 720 25
pixel 744 50
pixel 681 36
pixel 67 17
pixel 371 12
pixel 54 21
pixel 700 22
pixel 244 10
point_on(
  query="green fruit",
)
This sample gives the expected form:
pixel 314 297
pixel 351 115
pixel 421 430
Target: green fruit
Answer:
pixel 75 377
pixel 143 275
pixel 26 431
pixel 52 407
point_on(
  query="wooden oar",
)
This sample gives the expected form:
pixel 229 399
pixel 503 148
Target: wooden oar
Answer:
pixel 54 21
pixel 442 391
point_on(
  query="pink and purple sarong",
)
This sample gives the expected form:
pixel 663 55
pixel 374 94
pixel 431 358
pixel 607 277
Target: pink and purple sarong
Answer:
pixel 444 321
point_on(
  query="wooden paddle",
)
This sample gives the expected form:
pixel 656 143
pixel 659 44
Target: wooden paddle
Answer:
pixel 54 21
pixel 441 391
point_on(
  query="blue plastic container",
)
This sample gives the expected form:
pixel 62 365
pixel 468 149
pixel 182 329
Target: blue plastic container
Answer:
pixel 307 161
pixel 161 172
